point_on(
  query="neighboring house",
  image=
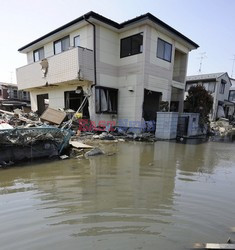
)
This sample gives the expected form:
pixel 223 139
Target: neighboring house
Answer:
pixel 218 85
pixel 11 97
pixel 126 69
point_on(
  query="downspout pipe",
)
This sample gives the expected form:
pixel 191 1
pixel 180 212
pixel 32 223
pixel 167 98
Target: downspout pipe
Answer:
pixel 94 48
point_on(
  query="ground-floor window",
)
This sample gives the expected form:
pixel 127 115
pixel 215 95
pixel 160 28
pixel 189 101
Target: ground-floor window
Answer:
pixel 73 100
pixel 106 100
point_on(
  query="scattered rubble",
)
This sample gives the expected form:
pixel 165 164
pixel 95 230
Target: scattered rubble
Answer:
pixel 63 157
pixel 94 152
pixel 75 153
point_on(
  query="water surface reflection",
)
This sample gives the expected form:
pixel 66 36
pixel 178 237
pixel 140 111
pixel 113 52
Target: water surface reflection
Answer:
pixel 160 195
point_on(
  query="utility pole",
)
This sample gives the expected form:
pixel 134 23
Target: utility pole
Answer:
pixel 203 56
pixel 233 65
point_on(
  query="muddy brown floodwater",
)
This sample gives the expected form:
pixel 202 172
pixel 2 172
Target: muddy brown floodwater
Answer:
pixel 159 195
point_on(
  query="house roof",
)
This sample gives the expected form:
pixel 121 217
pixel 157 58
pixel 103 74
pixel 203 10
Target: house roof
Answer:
pixel 8 84
pixel 91 14
pixel 212 76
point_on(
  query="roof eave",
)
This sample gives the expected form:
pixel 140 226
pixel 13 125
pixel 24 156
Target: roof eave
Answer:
pixel 115 25
pixel 160 23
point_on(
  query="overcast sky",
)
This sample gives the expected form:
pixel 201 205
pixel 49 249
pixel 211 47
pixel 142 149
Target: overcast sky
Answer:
pixel 209 23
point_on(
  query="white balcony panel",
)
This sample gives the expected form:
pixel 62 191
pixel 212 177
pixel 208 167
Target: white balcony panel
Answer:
pixel 63 67
pixel 178 85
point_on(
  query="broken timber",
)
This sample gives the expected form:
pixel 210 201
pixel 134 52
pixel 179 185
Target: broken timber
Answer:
pixel 79 145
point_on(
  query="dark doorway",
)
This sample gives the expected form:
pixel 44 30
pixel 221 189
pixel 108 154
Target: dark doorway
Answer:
pixel 151 104
pixel 42 101
pixel 182 128
pixel 174 107
pixel 74 100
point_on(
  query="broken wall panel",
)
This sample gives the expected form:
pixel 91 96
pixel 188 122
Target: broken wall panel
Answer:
pixel 53 116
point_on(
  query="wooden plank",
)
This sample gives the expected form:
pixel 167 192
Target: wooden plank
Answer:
pixel 77 144
pixel 213 246
pixel 6 112
pixel 232 229
pixel 53 116
pixel 219 246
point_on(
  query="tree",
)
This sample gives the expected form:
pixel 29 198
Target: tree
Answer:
pixel 199 100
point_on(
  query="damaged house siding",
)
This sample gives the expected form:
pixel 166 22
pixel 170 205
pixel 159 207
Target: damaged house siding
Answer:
pixel 126 60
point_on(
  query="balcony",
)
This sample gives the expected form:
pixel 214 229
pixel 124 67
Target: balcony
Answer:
pixel 72 65
pixel 179 70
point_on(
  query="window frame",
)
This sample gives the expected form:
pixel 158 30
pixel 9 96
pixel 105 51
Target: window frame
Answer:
pixel 131 45
pixel 37 51
pixel 98 111
pixel 222 86
pixel 60 40
pixel 78 36
pixel 231 96
pixel 24 95
pixel 15 93
pixel 165 42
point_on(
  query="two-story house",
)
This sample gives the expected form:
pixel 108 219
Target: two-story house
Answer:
pixel 11 97
pixel 125 69
pixel 218 85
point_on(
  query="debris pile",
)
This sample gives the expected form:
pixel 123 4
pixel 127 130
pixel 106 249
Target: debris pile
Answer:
pixel 222 127
pixel 25 135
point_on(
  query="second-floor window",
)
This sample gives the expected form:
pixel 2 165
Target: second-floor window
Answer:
pixel 61 45
pixel 164 50
pixel 24 95
pixel 131 45
pixel 76 41
pixel 222 86
pixel 15 94
pixel 38 54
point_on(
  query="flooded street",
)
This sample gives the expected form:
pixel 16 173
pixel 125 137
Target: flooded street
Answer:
pixel 161 195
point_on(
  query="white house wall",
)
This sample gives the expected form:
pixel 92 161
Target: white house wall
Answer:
pixel 86 41
pixel 108 46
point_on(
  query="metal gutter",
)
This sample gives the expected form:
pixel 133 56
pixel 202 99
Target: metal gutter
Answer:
pixel 94 48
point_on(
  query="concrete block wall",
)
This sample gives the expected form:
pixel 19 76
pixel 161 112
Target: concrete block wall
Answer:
pixel 166 125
